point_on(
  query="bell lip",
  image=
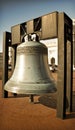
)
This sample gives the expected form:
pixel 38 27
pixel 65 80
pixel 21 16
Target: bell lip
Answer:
pixel 33 91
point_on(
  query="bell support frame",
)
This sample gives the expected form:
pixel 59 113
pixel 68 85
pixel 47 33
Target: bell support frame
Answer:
pixel 53 25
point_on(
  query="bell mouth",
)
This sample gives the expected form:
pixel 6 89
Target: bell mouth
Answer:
pixel 33 89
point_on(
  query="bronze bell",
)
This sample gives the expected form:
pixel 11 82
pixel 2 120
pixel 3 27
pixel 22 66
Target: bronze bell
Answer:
pixel 31 74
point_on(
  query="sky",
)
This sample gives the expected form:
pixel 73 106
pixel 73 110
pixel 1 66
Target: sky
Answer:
pixel 13 12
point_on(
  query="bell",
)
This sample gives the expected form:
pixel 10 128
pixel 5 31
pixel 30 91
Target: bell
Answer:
pixel 31 74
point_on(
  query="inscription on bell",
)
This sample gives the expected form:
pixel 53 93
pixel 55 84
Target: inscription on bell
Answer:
pixel 31 50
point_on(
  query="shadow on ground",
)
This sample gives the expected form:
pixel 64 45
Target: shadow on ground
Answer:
pixel 50 100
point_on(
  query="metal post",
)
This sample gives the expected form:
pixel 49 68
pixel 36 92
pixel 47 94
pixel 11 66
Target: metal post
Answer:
pixel 69 64
pixel 61 83
pixel 6 43
pixel 64 83
pixel 31 98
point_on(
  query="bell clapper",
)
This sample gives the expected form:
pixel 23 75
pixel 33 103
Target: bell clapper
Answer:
pixel 31 98
pixel 15 94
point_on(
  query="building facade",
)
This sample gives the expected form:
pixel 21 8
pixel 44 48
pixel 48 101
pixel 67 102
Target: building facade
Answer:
pixel 52 45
